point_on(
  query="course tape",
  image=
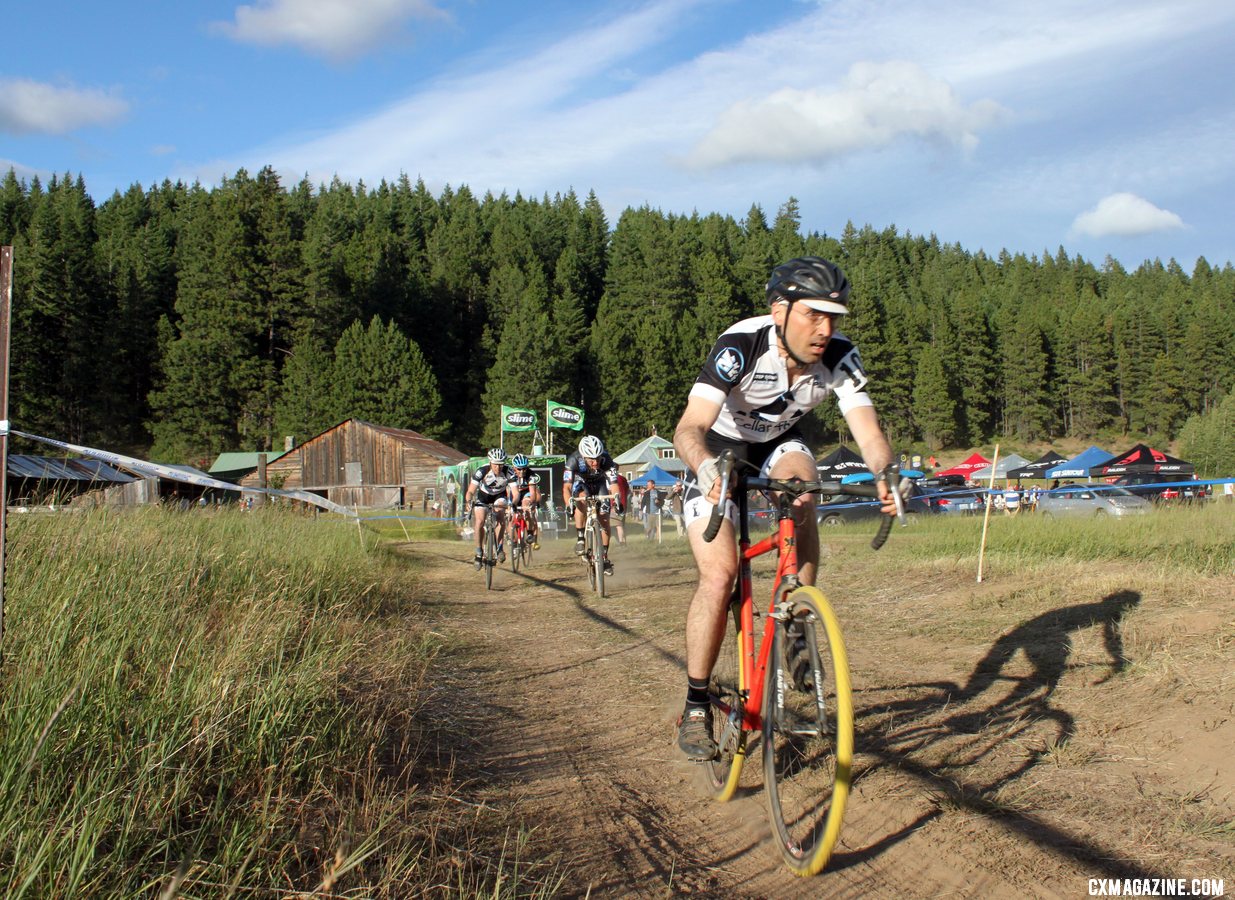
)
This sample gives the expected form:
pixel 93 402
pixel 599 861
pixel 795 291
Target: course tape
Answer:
pixel 155 470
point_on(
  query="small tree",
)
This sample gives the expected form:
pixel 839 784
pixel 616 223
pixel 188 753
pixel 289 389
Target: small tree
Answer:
pixel 381 375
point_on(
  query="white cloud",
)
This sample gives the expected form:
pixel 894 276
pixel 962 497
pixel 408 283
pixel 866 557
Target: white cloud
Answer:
pixel 877 104
pixel 337 29
pixel 1125 215
pixel 31 107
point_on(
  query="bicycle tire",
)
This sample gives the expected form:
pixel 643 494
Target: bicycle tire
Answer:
pixel 589 559
pixel 598 558
pixel 515 540
pixel 490 549
pixel 807 733
pixel 727 688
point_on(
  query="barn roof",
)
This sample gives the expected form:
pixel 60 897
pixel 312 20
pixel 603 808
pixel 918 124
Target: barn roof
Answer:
pixel 448 455
pixel 47 468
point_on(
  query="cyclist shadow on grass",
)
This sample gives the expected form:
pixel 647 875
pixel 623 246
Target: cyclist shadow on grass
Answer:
pixel 994 738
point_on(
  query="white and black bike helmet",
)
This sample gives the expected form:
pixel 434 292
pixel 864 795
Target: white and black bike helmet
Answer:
pixel 591 447
pixel 497 455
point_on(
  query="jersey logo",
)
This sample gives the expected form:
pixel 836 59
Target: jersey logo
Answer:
pixel 729 364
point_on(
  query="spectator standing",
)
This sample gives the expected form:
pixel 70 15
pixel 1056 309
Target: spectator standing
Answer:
pixel 1012 499
pixel 651 512
pixel 452 495
pixel 675 506
pixel 621 502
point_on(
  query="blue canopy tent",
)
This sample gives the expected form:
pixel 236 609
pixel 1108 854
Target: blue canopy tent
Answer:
pixel 1079 466
pixel 657 476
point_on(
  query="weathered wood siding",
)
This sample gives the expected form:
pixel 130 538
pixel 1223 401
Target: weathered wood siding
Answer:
pixel 325 459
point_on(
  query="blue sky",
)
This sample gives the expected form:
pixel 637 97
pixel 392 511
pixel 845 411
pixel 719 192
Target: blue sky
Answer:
pixel 1103 126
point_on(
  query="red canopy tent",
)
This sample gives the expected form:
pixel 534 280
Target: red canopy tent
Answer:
pixel 966 468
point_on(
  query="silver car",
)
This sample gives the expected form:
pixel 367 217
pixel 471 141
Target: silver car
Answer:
pixel 1092 500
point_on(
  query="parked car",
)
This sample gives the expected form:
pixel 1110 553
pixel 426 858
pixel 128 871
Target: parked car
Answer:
pixel 841 508
pixel 1092 500
pixel 1153 486
pixel 943 481
pixel 958 503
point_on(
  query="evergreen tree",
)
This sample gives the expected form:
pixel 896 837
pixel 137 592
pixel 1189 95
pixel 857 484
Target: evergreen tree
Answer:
pixel 524 373
pixel 382 377
pixel 1025 400
pixel 306 404
pixel 934 406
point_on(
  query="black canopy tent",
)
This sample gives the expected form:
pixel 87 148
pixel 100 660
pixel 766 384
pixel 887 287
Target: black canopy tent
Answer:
pixel 840 462
pixel 1142 460
pixel 1037 468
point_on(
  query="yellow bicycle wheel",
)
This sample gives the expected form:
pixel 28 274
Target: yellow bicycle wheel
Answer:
pixel 807 731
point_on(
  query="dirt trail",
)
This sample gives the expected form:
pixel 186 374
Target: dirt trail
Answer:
pixel 1006 745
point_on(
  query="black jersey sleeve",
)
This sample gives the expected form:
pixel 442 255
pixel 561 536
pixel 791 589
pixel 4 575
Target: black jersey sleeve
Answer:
pixel 728 361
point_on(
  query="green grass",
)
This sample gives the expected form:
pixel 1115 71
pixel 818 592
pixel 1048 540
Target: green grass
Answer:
pixel 1198 540
pixel 225 704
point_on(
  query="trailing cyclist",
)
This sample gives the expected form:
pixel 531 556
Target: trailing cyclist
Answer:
pixel 487 488
pixel 590 471
pixel 524 491
pixel 761 376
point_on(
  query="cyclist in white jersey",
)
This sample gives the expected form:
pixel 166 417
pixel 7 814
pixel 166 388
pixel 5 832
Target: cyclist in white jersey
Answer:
pixel 487 487
pixel 760 378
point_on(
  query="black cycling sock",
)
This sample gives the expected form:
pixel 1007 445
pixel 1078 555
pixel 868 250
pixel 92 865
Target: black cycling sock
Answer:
pixel 697 692
pixel 579 533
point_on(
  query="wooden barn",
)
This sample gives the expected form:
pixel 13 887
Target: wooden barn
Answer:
pixel 360 464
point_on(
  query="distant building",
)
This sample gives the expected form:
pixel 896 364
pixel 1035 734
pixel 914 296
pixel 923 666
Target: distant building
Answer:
pixel 649 452
pixel 42 480
pixel 359 464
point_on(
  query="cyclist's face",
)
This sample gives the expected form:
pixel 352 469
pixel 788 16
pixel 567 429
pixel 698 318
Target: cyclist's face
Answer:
pixel 593 462
pixel 522 472
pixel 807 331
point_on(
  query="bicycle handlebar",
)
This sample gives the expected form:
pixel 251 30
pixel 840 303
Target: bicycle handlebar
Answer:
pixel 796 487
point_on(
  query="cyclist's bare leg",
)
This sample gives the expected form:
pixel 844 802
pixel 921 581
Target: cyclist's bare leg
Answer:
pixel 801 465
pixel 707 617
pixel 604 525
pixel 478 524
pixel 500 512
pixel 530 516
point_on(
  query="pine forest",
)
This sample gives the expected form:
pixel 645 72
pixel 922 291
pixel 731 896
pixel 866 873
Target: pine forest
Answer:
pixel 177 322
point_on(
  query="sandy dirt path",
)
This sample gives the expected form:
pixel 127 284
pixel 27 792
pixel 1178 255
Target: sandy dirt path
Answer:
pixel 1003 750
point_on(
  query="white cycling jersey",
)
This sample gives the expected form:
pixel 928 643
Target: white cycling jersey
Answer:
pixel 747 376
pixel 490 486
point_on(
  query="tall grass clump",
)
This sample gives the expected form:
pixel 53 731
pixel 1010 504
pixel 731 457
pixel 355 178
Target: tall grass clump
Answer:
pixel 216 704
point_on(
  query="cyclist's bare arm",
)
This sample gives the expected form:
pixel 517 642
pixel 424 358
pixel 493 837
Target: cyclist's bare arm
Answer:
pixel 690 437
pixel 876 452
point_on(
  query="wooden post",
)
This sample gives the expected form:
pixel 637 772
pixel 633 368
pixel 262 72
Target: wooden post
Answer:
pixel 986 516
pixel 261 480
pixel 6 305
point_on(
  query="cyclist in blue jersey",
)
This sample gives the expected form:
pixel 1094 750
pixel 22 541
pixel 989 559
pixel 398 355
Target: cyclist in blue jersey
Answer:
pixel 524 491
pixel 590 471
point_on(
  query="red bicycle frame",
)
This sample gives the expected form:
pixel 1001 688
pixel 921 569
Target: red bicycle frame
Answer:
pixel 518 525
pixel 784 542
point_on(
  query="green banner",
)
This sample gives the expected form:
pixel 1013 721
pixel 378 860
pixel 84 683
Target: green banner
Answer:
pixel 514 419
pixel 562 416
